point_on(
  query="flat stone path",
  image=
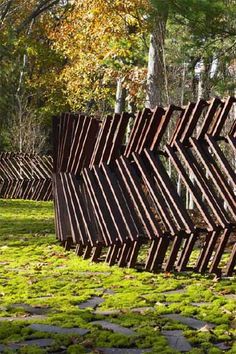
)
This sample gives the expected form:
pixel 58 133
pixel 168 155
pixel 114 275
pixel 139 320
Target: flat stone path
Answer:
pixel 107 312
pixel 114 327
pixel 58 330
pixel 230 296
pixel 34 310
pixel 105 291
pixel 177 341
pixel 123 350
pixel 109 291
pixel 223 346
pixel 199 304
pixel 140 310
pixel 93 302
pixel 189 321
pixel 176 291
pixel 42 343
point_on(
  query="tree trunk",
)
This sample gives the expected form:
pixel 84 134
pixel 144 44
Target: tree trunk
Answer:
pixel 131 109
pixel 156 76
pixel 179 185
pixel 191 202
pixel 120 97
pixel 206 79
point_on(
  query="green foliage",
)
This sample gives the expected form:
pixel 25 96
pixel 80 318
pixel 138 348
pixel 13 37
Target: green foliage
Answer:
pixel 32 350
pixel 71 58
pixel 199 31
pixel 29 94
pixel 75 349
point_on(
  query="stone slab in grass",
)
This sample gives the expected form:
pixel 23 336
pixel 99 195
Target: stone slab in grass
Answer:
pixel 199 304
pixel 142 309
pixel 109 291
pixel 58 330
pixel 92 302
pixel 123 350
pixel 223 346
pixel 42 343
pixel 230 296
pixel 106 291
pixel 189 321
pixel 34 310
pixel 176 291
pixel 114 327
pixel 177 341
pixel 106 312
pixel 23 318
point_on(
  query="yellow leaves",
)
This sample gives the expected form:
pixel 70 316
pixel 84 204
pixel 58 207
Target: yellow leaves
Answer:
pixel 99 40
pixel 31 51
pixel 136 81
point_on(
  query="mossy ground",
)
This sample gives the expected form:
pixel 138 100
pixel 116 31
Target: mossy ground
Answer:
pixel 36 270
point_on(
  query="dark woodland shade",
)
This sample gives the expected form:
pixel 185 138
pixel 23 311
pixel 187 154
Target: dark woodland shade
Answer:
pixel 112 198
pixel 24 176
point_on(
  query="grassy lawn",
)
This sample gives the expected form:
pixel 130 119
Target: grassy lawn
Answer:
pixel 35 270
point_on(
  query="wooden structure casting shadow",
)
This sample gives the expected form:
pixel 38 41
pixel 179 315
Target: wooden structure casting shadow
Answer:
pixel 25 176
pixel 116 201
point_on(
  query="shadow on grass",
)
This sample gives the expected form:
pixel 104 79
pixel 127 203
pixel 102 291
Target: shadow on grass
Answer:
pixel 22 227
pixel 20 217
pixel 24 205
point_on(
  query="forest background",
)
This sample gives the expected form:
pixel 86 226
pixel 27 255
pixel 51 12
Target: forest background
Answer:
pixel 101 56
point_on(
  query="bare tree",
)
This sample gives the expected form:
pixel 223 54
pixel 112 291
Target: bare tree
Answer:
pixel 26 131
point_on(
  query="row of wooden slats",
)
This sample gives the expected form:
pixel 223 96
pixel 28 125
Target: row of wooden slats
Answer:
pixel 24 176
pixel 114 196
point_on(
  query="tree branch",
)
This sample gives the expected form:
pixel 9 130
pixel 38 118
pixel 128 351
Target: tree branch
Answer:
pixel 42 7
pixel 6 10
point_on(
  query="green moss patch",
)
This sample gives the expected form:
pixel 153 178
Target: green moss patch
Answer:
pixel 36 271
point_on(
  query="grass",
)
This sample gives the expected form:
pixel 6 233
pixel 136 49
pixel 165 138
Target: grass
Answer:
pixel 35 270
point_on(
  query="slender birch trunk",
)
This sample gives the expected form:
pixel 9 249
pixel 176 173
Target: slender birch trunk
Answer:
pixel 120 96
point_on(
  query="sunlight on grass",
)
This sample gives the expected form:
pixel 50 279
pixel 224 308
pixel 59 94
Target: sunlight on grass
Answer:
pixel 35 270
